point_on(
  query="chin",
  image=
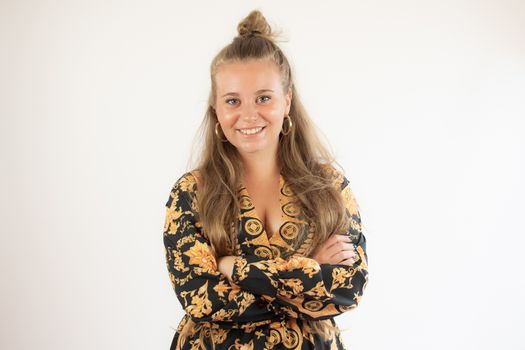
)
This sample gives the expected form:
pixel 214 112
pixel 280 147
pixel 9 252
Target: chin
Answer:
pixel 250 150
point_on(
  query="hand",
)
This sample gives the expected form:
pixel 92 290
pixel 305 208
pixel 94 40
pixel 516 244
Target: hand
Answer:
pixel 338 249
pixel 225 265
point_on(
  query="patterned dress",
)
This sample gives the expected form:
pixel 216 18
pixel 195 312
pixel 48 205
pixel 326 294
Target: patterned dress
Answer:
pixel 274 288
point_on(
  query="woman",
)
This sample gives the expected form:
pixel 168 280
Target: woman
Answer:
pixel 263 238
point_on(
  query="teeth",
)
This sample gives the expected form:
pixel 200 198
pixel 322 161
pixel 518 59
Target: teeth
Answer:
pixel 250 131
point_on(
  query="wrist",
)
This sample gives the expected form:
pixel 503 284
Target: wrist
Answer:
pixel 225 265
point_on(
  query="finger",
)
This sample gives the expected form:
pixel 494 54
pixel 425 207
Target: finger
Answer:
pixel 333 245
pixel 340 246
pixel 343 255
pixel 348 262
pixel 326 244
pixel 336 239
pixel 337 248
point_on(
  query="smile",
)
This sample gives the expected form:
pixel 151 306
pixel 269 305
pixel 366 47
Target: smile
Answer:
pixel 251 131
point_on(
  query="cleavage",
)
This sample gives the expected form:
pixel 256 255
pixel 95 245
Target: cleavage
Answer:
pixel 267 208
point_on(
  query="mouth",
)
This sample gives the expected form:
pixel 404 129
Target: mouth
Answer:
pixel 251 131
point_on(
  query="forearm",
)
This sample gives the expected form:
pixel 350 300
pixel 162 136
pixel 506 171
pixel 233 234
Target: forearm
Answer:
pixel 303 287
pixel 225 265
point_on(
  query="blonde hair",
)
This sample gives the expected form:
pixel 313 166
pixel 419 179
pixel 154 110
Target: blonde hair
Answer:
pixel 303 159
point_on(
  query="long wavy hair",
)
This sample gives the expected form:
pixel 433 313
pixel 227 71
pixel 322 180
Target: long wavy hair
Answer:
pixel 305 162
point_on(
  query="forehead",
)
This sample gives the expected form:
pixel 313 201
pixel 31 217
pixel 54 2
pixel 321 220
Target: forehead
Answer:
pixel 247 75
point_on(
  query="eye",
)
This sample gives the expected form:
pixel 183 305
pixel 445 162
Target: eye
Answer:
pixel 230 99
pixel 266 96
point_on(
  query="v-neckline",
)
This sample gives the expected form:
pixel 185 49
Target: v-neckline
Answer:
pixel 256 214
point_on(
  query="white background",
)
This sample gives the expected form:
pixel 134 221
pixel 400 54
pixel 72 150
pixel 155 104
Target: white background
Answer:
pixel 423 103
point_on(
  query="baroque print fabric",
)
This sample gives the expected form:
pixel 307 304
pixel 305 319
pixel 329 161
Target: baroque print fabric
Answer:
pixel 274 288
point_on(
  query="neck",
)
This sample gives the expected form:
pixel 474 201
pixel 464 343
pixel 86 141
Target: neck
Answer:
pixel 260 167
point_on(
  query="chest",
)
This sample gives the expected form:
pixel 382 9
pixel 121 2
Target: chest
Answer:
pixel 267 205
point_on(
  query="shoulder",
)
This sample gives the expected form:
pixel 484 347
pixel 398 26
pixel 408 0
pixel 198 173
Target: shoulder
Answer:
pixel 335 175
pixel 187 182
pixel 342 183
pixel 185 187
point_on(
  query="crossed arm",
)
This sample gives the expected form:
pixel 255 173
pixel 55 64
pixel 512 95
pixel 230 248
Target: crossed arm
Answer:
pixel 250 288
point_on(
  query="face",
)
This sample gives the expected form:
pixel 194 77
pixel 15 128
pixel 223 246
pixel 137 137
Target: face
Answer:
pixel 251 105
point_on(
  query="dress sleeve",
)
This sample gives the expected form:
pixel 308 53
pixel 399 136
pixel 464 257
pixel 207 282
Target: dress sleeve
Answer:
pixel 300 286
pixel 203 291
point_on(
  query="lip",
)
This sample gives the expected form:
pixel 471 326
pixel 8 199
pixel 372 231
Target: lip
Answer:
pixel 252 127
pixel 252 135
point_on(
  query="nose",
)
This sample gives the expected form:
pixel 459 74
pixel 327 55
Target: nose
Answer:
pixel 249 113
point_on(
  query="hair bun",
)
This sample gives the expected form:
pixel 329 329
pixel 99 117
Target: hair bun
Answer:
pixel 254 24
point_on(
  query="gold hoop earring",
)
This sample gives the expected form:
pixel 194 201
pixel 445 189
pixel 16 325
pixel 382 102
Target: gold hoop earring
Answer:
pixel 217 133
pixel 289 124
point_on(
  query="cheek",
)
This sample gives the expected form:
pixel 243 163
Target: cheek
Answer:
pixel 277 121
pixel 225 119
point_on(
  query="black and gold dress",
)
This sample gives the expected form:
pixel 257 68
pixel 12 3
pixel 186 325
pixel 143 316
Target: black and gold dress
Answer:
pixel 270 297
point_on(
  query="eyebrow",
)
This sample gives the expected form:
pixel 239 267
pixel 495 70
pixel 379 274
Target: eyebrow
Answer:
pixel 256 92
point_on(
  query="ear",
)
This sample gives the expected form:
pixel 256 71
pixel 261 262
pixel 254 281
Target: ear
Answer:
pixel 288 99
